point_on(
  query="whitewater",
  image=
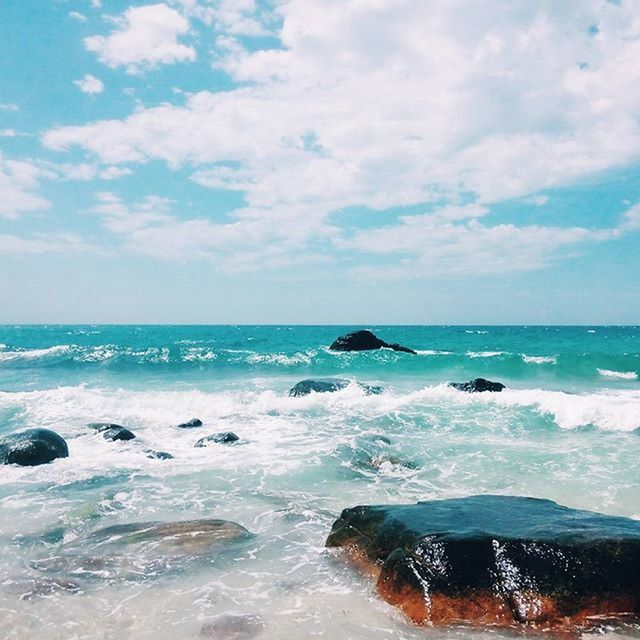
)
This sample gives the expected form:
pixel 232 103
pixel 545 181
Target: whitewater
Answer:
pixel 567 428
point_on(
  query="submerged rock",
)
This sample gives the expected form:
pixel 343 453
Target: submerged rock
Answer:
pixel 189 536
pixel 143 550
pixel 159 455
pixel 328 385
pixel 225 437
pixel 233 627
pixel 498 560
pixel 30 588
pixel 477 385
pixel 190 424
pixel 364 340
pixel 371 453
pixel 32 447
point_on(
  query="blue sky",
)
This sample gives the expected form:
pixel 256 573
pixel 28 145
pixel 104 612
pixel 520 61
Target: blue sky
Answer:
pixel 317 161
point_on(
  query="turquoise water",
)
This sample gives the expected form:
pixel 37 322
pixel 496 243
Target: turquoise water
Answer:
pixel 567 428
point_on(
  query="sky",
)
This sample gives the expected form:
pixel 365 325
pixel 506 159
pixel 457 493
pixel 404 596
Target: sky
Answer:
pixel 320 161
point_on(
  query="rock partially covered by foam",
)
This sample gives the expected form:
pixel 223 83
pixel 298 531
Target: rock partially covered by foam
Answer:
pixel 190 424
pixel 498 560
pixel 328 385
pixel 364 340
pixel 224 437
pixel 32 447
pixel 111 431
pixel 478 385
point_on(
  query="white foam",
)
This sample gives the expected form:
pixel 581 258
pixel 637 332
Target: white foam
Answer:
pixel 623 375
pixel 433 352
pixel 32 354
pixel 281 358
pixel 486 354
pixel 538 359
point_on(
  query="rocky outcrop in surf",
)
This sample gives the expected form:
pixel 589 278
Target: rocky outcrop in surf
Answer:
pixel 32 447
pixel 501 560
pixel 364 340
pixel 328 385
pixel 478 385
pixel 112 432
pixel 224 437
pixel 190 424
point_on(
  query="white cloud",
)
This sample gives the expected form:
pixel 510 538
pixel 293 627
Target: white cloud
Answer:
pixel 85 172
pixel 89 84
pixel 377 104
pixel 19 182
pixel 77 16
pixel 42 243
pixel 145 37
pixel 236 17
pixel 8 106
pixel 8 133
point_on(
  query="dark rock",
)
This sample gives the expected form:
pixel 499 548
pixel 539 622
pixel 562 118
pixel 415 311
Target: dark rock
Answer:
pixel 225 437
pixel 233 627
pixel 477 385
pixel 328 385
pixel 32 447
pixel 498 560
pixel 103 426
pixel 112 431
pixel 117 433
pixel 190 424
pixel 159 455
pixel 364 341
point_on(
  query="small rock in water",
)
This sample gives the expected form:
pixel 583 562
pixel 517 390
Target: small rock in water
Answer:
pixel 371 453
pixel 159 455
pixel 103 426
pixel 328 385
pixel 477 385
pixel 117 433
pixel 225 437
pixel 32 447
pixel 233 627
pixel 364 340
pixel 498 560
pixel 190 424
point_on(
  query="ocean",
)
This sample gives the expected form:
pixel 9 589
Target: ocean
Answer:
pixel 566 428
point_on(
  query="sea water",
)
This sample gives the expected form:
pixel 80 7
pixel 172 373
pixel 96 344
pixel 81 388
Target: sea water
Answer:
pixel 566 428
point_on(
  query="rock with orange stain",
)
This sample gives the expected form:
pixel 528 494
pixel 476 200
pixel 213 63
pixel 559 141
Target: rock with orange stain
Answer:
pixel 501 560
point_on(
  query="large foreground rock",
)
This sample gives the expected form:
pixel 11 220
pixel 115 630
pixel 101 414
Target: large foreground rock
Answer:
pixel 32 447
pixel 364 341
pixel 498 560
pixel 327 385
pixel 478 385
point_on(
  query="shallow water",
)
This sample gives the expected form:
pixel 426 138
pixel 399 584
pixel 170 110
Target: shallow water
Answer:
pixel 566 429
